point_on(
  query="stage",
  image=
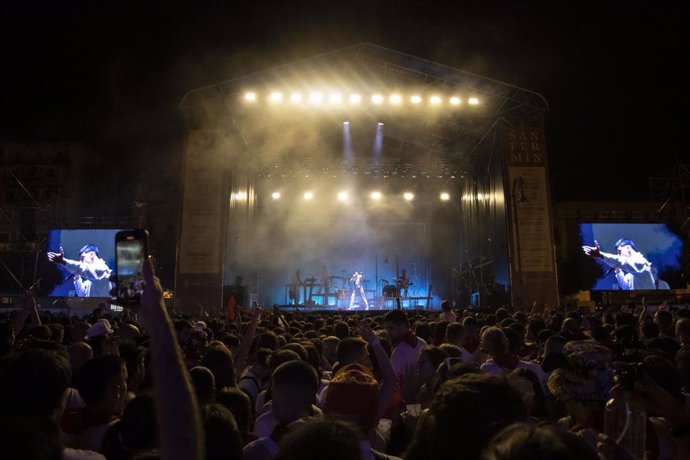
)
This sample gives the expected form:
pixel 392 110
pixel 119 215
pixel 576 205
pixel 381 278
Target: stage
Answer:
pixel 364 160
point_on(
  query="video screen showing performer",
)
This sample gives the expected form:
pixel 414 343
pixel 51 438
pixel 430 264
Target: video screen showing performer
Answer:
pixel 641 256
pixel 82 259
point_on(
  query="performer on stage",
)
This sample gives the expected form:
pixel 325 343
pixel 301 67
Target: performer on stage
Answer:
pixel 404 283
pixel 358 288
pixel 295 286
pixel 90 273
pixel 325 284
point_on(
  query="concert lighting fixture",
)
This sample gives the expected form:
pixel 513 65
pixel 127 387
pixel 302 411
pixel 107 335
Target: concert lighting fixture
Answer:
pixel 295 98
pixel 346 122
pixel 416 99
pixel 409 196
pixel 275 195
pixel 315 98
pixel 376 196
pixel 395 99
pixel 435 100
pixel 444 196
pixel 377 99
pixel 355 98
pixel 455 100
pixel 250 97
pixel 241 196
pixel 342 196
pixel 276 97
pixel 308 196
pixel 335 98
pixel 473 101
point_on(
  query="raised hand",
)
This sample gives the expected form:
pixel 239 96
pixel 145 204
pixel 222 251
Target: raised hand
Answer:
pixel 366 332
pixel 57 257
pixel 593 251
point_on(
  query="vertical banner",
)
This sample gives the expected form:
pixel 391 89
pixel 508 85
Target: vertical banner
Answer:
pixel 533 265
pixel 199 264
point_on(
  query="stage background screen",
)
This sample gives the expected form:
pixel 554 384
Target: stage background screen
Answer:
pixel 55 280
pixel 657 242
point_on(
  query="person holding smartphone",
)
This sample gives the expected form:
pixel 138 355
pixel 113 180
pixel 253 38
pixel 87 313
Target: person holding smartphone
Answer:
pixel 91 274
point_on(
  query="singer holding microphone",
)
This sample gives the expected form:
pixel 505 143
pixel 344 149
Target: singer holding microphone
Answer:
pixel 633 270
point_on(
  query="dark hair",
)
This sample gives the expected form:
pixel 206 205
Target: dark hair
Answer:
pixel 223 440
pixel 95 375
pixel 453 351
pixel 341 330
pixel 34 438
pixel 237 402
pixel 279 357
pixel 299 374
pixel 349 349
pixel 454 332
pixel 624 242
pixel 33 383
pixel 267 339
pixel 219 361
pixel 541 442
pixel 204 384
pixel 316 438
pixel 297 348
pixel 464 414
pixel 436 355
pixel 135 432
pixel 397 317
pixel 89 248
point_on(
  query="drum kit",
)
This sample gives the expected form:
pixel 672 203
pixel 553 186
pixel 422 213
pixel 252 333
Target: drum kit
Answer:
pixel 394 286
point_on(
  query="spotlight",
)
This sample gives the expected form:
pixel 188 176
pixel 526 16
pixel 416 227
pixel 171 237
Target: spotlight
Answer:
pixel 416 99
pixel 379 124
pixel 473 101
pixel 342 196
pixel 241 196
pixel 335 98
pixel 250 97
pixel 276 97
pixel 377 99
pixel 455 100
pixel 444 196
pixel 315 98
pixel 308 196
pixel 355 98
pixel 346 122
pixel 376 196
pixel 296 98
pixel 395 99
pixel 408 196
pixel 435 100
pixel 275 195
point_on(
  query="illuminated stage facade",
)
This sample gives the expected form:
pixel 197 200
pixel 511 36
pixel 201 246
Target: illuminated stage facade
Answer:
pixel 365 178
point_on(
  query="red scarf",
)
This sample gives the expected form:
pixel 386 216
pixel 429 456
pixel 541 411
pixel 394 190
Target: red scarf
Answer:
pixel 507 361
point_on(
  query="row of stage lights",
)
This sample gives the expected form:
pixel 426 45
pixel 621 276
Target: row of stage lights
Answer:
pixel 342 196
pixel 336 99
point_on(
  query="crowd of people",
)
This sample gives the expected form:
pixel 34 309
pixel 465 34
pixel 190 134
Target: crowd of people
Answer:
pixel 501 383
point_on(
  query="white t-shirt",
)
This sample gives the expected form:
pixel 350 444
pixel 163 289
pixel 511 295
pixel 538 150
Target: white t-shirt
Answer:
pixel 404 362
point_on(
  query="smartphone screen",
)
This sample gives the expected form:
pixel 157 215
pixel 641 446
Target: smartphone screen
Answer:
pixel 130 252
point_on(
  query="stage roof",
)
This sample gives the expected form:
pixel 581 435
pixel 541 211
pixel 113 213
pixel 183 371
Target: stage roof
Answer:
pixel 439 146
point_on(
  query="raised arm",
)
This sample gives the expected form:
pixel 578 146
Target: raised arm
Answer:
pixel 387 373
pixel 247 340
pixel 176 406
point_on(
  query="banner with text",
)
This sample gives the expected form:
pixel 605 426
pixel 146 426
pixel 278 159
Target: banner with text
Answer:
pixel 532 245
pixel 199 268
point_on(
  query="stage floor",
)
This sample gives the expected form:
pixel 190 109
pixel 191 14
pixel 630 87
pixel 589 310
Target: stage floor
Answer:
pixel 379 304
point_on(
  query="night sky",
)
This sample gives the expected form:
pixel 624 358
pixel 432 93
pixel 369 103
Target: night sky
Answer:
pixel 111 74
